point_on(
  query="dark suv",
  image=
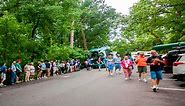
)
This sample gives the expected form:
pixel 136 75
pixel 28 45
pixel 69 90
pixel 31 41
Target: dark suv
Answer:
pixel 171 57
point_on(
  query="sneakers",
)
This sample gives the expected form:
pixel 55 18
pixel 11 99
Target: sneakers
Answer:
pixel 154 88
pixel 126 78
pixel 129 78
pixel 145 80
pixel 157 87
pixel 139 79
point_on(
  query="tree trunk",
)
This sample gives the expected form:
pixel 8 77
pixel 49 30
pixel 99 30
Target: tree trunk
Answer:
pixel 84 40
pixel 34 28
pixel 72 36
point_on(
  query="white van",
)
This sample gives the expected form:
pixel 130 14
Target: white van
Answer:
pixel 179 67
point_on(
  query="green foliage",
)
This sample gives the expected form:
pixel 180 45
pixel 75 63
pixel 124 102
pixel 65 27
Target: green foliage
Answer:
pixel 62 52
pixel 153 22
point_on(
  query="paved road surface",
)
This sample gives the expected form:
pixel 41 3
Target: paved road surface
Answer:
pixel 92 88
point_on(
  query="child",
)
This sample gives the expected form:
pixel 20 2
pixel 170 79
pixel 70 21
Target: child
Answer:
pixel 110 64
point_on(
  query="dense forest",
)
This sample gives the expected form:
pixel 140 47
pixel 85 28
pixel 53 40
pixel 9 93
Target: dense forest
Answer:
pixel 32 30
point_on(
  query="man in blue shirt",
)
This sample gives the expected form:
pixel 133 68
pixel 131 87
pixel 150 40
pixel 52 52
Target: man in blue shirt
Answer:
pixel 3 74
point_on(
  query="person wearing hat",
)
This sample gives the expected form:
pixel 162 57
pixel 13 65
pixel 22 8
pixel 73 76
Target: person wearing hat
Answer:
pixel 27 70
pixel 142 66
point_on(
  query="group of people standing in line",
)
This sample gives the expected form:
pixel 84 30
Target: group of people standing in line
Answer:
pixel 43 69
pixel 155 62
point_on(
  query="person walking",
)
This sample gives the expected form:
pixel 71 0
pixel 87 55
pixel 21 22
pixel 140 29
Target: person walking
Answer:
pixel 3 74
pixel 156 66
pixel 118 63
pixel 99 63
pixel 110 64
pixel 142 66
pixel 127 67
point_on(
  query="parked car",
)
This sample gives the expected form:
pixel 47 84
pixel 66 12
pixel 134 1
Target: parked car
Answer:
pixel 171 57
pixel 179 67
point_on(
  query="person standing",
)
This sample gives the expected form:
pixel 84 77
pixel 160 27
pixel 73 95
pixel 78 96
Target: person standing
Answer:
pixel 13 74
pixel 54 66
pixel 142 66
pixel 27 70
pixel 39 70
pixel 32 71
pixel 118 63
pixel 48 68
pixel 19 71
pixel 110 64
pixel 156 66
pixel 43 68
pixel 127 67
pixel 3 74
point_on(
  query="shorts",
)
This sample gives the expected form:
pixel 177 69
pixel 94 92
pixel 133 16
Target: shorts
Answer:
pixel 110 67
pixel 44 71
pixel 117 66
pixel 3 76
pixel 156 75
pixel 142 69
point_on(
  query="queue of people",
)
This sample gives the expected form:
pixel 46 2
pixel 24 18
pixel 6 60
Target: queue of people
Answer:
pixel 43 69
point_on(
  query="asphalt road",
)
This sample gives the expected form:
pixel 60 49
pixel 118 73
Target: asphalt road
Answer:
pixel 92 88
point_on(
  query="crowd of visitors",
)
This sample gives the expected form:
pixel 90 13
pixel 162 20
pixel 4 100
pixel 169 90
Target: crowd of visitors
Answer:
pixel 33 71
pixel 155 62
pixel 45 69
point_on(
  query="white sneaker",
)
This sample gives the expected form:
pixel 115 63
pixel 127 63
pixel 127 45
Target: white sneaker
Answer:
pixel 139 79
pixel 154 89
pixel 157 87
pixel 126 78
pixel 145 80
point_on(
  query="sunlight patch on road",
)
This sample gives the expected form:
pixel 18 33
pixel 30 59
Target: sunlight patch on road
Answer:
pixel 66 76
pixel 165 79
pixel 172 89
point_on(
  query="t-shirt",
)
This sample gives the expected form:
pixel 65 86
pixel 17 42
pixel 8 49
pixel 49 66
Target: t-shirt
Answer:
pixel 18 66
pixel 141 61
pixel 47 65
pixel 156 67
pixel 110 61
pixel 27 67
pixel 117 60
pixel 43 66
pixel 3 69
pixel 13 68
